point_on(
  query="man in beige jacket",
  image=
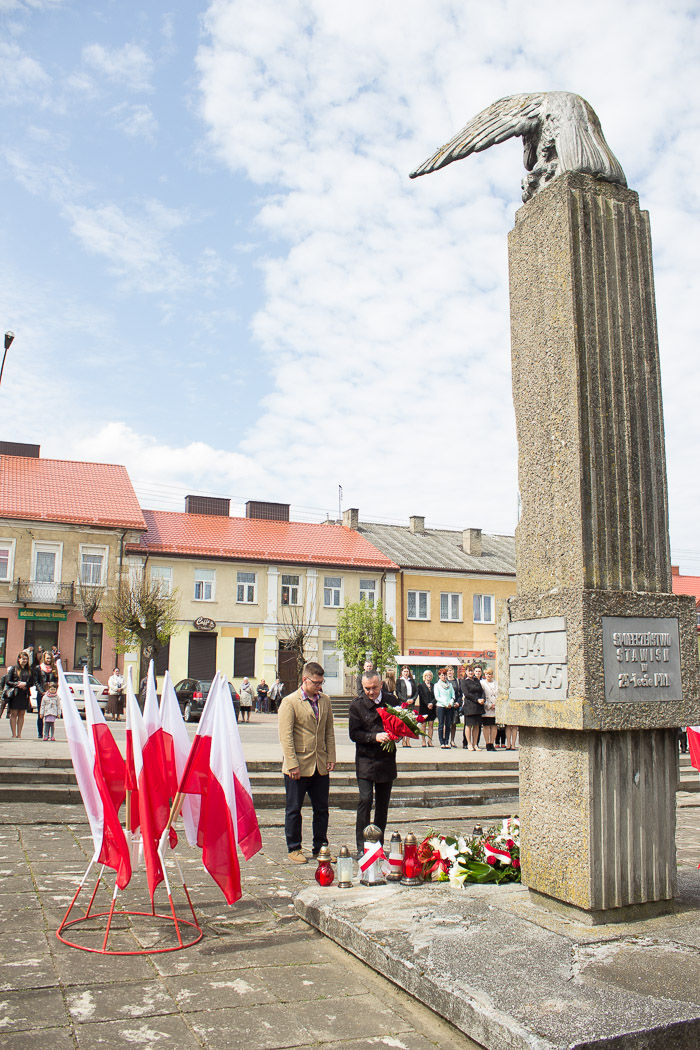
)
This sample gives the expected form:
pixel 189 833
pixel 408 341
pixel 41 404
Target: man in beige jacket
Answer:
pixel 305 722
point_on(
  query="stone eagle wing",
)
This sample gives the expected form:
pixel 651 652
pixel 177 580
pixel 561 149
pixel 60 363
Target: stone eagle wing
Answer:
pixel 507 118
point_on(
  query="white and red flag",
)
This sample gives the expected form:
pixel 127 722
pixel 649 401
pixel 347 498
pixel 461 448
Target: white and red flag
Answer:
pixel 111 847
pixel 107 753
pixel 694 746
pixel 150 798
pixel 176 744
pixel 216 770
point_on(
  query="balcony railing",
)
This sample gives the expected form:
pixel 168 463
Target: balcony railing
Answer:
pixel 45 593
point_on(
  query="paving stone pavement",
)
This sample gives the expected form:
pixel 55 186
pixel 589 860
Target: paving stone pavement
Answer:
pixel 259 979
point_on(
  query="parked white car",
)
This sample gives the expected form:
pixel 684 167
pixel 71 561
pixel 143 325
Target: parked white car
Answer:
pixel 75 684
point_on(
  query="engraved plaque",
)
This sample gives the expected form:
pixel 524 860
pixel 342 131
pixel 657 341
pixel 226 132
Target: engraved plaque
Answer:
pixel 537 659
pixel 641 659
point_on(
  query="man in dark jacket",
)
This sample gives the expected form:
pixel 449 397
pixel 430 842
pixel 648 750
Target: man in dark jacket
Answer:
pixel 375 768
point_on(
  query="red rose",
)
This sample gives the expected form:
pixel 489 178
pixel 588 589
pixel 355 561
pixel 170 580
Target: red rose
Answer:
pixel 509 844
pixel 516 862
pixel 492 860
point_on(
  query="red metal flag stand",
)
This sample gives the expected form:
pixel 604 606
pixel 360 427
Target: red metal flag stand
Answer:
pixel 193 931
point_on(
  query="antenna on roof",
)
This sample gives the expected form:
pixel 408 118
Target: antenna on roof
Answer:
pixel 340 502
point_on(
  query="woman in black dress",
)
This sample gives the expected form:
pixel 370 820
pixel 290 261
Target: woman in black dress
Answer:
pixel 426 706
pixel 17 686
pixel 472 707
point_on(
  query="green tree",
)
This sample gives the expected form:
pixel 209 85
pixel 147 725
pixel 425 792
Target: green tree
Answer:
pixel 363 630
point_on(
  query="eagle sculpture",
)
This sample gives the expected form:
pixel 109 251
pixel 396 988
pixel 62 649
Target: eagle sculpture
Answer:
pixel 560 132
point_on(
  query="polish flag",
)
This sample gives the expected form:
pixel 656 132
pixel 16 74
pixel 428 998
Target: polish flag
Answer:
pixel 111 848
pixel 216 770
pixel 150 800
pixel 694 746
pixel 176 744
pixel 108 755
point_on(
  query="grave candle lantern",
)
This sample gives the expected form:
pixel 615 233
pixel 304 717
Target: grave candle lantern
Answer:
pixel 345 869
pixel 395 858
pixel 412 867
pixel 324 872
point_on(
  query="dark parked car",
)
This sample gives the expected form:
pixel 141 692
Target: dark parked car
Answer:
pixel 192 693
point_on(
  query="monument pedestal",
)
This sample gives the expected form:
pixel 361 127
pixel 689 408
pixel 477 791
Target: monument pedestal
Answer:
pixel 599 661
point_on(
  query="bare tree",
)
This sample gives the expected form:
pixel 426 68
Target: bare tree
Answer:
pixel 89 599
pixel 296 626
pixel 140 615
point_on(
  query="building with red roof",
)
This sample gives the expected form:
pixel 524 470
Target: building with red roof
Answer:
pixel 65 529
pixel 249 585
pixel 688 585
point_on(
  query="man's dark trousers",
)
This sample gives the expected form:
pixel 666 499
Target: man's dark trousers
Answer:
pixel 316 787
pixel 382 792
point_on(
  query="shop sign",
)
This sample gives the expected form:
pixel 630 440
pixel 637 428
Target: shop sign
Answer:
pixel 203 623
pixel 468 654
pixel 42 614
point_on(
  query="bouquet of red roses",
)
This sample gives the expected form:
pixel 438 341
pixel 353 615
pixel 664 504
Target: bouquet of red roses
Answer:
pixel 399 723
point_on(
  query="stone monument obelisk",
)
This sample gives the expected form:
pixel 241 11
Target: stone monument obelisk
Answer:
pixel 598 659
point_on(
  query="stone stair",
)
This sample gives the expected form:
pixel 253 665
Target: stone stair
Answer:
pixel 421 783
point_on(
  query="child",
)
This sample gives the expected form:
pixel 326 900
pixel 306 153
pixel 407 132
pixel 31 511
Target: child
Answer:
pixel 49 711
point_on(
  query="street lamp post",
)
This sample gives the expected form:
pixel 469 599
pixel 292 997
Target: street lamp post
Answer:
pixel 9 336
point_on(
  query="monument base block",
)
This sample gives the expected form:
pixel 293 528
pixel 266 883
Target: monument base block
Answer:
pixel 628 913
pixel 510 974
pixel 597 815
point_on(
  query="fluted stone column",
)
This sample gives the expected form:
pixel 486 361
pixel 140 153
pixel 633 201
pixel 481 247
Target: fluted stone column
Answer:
pixel 599 658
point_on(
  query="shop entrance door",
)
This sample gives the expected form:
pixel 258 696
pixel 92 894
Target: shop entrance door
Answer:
pixel 40 632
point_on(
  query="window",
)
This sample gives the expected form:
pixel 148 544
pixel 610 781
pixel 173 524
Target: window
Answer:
pixel 135 573
pixel 418 605
pixel 367 591
pixel 46 571
pixel 331 660
pixel 46 563
pixel 204 585
pixel 162 578
pixel 290 590
pixel 450 606
pixel 245 589
pixel 332 586
pixel 3 643
pixel 483 608
pixel 7 558
pixel 80 657
pixel 93 562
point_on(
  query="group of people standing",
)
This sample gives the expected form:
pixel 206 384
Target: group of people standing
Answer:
pixel 265 700
pixel 35 669
pixel 448 700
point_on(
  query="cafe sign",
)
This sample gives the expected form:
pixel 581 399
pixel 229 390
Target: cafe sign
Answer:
pixel 203 623
pixel 42 614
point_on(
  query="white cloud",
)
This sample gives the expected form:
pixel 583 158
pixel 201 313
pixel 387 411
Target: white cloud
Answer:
pixel 135 245
pixel 137 122
pixel 21 76
pixel 129 65
pixel 385 319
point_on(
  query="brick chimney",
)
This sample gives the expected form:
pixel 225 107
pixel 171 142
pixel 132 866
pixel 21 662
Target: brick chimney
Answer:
pixel 675 570
pixel 471 542
pixel 416 524
pixel 351 518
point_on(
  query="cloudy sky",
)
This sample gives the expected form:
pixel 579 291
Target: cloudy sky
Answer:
pixel 219 273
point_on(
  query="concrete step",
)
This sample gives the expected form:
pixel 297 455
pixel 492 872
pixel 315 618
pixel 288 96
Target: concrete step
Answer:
pixel 341 797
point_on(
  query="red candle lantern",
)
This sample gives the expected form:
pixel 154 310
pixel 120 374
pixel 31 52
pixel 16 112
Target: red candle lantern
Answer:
pixel 324 872
pixel 412 868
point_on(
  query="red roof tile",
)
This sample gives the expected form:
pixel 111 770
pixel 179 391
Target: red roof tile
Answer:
pixel 69 491
pixel 254 539
pixel 687 585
